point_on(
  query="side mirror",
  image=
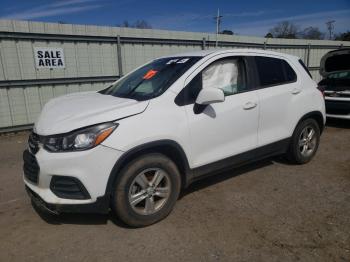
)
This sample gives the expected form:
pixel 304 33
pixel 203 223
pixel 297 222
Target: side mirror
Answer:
pixel 209 96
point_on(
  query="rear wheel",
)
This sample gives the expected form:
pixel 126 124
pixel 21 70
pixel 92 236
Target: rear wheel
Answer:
pixel 305 141
pixel 146 190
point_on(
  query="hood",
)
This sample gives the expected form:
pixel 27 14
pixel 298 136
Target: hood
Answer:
pixel 335 61
pixel 70 112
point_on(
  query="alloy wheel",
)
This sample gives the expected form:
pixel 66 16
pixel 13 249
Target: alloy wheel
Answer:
pixel 307 141
pixel 149 191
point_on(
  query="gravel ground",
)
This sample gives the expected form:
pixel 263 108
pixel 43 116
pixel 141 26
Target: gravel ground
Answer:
pixel 269 211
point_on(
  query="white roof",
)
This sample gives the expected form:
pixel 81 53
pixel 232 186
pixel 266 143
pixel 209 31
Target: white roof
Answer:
pixel 203 53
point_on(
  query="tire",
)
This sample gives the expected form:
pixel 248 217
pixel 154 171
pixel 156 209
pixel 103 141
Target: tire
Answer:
pixel 138 200
pixel 303 146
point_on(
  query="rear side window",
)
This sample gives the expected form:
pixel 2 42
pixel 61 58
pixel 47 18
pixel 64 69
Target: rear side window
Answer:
pixel 305 68
pixel 274 71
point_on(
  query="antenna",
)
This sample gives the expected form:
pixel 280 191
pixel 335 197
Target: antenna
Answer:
pixel 330 27
pixel 218 23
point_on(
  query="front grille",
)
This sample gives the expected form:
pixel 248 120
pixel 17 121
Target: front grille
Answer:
pixel 68 187
pixel 337 93
pixel 33 143
pixel 30 167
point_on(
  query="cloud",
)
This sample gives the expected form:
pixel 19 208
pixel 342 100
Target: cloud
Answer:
pixel 254 26
pixel 70 2
pixel 56 8
pixel 261 27
pixel 251 14
pixel 195 20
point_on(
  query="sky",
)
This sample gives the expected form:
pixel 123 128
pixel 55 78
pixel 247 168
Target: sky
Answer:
pixel 249 17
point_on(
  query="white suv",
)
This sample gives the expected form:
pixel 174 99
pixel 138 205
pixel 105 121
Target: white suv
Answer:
pixel 134 145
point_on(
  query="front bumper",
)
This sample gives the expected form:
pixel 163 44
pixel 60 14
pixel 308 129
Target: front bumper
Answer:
pixel 337 107
pixel 100 206
pixel 91 167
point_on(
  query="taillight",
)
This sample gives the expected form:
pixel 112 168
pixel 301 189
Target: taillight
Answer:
pixel 321 89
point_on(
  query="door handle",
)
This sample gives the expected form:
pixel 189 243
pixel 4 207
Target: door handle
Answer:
pixel 296 91
pixel 249 105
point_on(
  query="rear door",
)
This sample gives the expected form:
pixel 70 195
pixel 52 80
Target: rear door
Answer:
pixel 277 90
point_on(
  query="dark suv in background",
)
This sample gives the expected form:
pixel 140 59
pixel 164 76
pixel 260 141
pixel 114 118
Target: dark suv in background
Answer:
pixel 335 69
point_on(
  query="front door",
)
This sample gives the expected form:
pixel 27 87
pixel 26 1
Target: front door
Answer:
pixel 228 128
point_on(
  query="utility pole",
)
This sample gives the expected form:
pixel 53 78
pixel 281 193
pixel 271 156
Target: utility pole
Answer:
pixel 218 23
pixel 330 27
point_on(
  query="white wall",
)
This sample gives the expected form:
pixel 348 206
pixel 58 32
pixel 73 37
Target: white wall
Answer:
pixel 20 105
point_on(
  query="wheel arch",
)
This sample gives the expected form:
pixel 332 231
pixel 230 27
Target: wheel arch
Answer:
pixel 169 148
pixel 317 116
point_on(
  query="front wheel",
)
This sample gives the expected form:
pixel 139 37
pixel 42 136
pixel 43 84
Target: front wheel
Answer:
pixel 146 190
pixel 304 143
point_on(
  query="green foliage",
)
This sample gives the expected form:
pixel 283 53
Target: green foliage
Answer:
pixel 227 32
pixel 343 36
pixel 312 33
pixel 285 29
pixel 142 24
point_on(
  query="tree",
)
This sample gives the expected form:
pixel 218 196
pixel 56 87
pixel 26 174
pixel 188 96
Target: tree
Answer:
pixel 312 33
pixel 125 24
pixel 226 32
pixel 284 29
pixel 343 36
pixel 268 35
pixel 142 24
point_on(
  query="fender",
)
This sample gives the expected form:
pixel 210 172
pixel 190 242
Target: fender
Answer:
pixel 317 115
pixel 168 147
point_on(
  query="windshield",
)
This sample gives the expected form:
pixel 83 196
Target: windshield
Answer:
pixel 338 81
pixel 152 79
pixel 340 75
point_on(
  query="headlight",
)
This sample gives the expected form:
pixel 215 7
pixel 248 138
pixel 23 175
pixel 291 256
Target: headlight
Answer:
pixel 81 139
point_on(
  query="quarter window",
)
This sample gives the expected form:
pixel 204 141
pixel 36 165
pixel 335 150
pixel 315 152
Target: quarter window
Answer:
pixel 274 71
pixel 305 67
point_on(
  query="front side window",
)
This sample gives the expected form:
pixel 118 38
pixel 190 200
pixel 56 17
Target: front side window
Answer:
pixel 224 74
pixel 152 79
pixel 274 71
pixel 227 74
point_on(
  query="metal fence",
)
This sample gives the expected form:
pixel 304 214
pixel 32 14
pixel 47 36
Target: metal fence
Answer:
pixel 96 56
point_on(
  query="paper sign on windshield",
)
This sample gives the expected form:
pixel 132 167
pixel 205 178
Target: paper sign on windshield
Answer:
pixel 151 73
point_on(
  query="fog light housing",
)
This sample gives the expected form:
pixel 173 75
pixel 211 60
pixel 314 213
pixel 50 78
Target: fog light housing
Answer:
pixel 68 188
